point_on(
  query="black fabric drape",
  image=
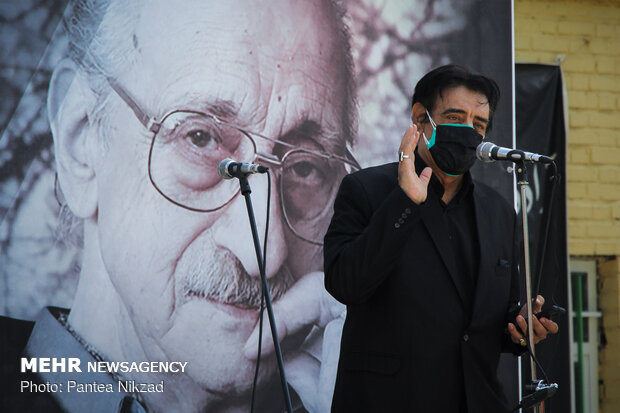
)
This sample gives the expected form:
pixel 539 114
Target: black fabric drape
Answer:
pixel 541 129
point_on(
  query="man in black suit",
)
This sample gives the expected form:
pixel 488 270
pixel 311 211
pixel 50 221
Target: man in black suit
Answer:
pixel 431 287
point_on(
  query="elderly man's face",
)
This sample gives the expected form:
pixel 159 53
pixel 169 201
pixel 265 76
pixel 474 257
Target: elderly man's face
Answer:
pixel 278 68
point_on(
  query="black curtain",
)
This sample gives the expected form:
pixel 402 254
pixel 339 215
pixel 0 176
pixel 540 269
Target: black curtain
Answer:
pixel 540 128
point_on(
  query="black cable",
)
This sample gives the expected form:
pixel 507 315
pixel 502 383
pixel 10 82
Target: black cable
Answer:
pixel 543 390
pixel 262 297
pixel 531 353
pixel 556 179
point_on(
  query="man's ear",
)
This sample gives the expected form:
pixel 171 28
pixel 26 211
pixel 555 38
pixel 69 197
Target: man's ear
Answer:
pixel 418 115
pixel 69 103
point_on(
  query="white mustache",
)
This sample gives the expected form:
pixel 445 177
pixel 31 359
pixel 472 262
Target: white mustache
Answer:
pixel 221 277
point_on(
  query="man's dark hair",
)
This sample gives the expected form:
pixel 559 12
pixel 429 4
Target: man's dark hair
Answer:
pixel 432 85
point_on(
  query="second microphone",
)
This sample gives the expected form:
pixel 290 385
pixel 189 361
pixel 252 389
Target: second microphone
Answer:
pixel 229 169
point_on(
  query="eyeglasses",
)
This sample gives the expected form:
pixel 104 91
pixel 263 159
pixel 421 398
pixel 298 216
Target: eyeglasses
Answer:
pixel 187 146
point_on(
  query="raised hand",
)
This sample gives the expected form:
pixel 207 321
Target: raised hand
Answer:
pixel 413 185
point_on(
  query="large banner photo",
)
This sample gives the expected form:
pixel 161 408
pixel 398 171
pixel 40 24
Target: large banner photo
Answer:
pixel 128 272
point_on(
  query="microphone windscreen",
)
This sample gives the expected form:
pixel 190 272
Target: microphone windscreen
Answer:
pixel 222 168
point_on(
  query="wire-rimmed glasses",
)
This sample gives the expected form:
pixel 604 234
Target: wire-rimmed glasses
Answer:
pixel 187 146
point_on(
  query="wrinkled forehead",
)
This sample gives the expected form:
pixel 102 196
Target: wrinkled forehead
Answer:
pixel 282 24
pixel 264 57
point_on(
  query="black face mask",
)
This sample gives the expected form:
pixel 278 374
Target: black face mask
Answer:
pixel 453 147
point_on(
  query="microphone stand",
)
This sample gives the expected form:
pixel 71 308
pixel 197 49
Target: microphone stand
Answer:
pixel 522 181
pixel 246 191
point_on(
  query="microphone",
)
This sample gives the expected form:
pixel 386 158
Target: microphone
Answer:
pixel 229 169
pixel 489 152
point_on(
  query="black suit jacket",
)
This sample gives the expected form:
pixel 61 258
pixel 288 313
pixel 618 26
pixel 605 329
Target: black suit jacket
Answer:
pixel 413 340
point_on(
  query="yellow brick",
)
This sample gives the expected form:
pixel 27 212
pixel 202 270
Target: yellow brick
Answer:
pixel 606 101
pixel 611 192
pixel 615 211
pixel 579 210
pixel 605 46
pixel 580 173
pixel 608 406
pixel 578 118
pixel 605 13
pixel 579 154
pixel 605 192
pixel 577 191
pixel 601 212
pixel 546 57
pixel 610 175
pixel 523 41
pixel 607 369
pixel 605 83
pixel 606 248
pixel 605 30
pixel 603 119
pixel 579 64
pixel 606 65
pixel 608 299
pixel 580 247
pixel 527 56
pixel 611 357
pixel 593 136
pixel 609 294
pixel 526 25
pixel 547 27
pixel 611 370
pixel 553 8
pixel 577 81
pixel 606 137
pixel 612 330
pixel 605 155
pixel 613 336
pixel 582 99
pixel 611 318
pixel 577 229
pixel 603 230
pixel 550 43
pixel 579 45
pixel 582 136
pixel 576 28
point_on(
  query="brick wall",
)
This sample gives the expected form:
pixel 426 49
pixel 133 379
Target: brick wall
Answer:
pixel 584 37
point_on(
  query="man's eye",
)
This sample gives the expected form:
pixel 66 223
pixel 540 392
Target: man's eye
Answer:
pixel 201 139
pixel 306 174
pixel 303 169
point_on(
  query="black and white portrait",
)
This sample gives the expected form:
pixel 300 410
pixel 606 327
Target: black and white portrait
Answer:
pixel 114 117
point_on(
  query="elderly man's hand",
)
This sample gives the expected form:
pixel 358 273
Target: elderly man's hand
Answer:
pixel 304 305
pixel 541 327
